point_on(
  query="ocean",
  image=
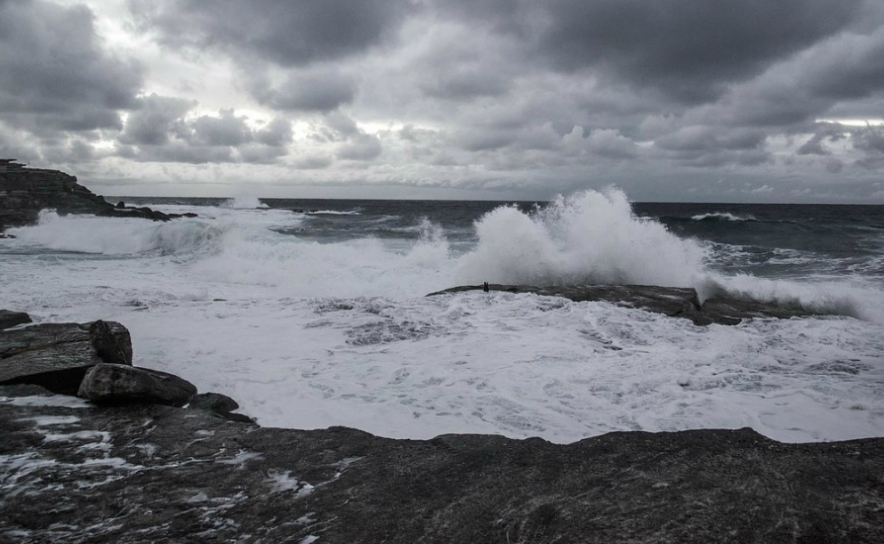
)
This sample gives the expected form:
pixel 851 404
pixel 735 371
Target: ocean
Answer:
pixel 312 313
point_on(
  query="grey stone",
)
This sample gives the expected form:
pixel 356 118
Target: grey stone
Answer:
pixel 9 319
pixel 121 384
pixel 150 473
pixel 57 355
pixel 671 301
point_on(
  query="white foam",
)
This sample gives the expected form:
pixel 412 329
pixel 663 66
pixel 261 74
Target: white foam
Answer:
pixel 305 334
pixel 724 216
pixel 244 202
pixel 117 236
pixel 590 237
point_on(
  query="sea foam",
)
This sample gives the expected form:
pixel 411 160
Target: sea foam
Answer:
pixel 118 236
pixel 588 238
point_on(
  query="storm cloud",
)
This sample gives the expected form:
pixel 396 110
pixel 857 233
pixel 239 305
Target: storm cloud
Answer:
pixel 506 97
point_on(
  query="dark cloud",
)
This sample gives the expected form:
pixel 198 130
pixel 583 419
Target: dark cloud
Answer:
pixel 55 75
pixel 683 47
pixel 284 32
pixel 312 90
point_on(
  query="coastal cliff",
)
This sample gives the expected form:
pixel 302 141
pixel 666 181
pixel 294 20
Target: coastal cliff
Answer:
pixel 25 191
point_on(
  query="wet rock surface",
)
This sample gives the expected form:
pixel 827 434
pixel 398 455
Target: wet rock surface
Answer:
pixel 25 191
pixel 671 301
pixel 73 472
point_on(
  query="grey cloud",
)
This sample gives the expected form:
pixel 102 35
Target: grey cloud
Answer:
pixel 823 132
pixel 807 86
pixel 55 74
pixel 225 130
pixel 277 133
pixel 313 90
pixel 284 32
pixel 154 119
pixel 869 139
pixel 361 147
pixel 160 131
pixel 686 48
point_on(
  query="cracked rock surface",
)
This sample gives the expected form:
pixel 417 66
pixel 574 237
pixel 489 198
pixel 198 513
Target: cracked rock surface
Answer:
pixel 71 471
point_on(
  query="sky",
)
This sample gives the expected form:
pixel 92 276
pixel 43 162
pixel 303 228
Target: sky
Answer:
pixel 669 100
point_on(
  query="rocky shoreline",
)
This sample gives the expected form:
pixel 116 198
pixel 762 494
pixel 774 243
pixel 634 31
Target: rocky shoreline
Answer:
pixel 25 191
pixel 147 459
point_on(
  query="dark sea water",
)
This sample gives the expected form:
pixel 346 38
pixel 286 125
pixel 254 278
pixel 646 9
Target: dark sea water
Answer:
pixel 313 313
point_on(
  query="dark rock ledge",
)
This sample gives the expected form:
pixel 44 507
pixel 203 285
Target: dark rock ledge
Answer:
pixel 25 191
pixel 672 301
pixel 75 471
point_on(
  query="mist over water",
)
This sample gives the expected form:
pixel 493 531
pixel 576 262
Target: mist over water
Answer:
pixel 312 313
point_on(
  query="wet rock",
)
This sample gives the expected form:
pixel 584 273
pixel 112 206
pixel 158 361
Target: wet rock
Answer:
pixel 672 301
pixel 9 319
pixel 219 404
pixel 121 384
pixel 57 355
pixel 150 473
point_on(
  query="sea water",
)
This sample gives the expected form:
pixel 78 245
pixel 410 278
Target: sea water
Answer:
pixel 313 313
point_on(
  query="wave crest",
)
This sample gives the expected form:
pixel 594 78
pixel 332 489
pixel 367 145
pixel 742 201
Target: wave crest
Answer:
pixel 117 236
pixel 588 238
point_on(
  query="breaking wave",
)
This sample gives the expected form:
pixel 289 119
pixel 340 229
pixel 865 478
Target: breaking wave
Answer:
pixel 588 238
pixel 118 236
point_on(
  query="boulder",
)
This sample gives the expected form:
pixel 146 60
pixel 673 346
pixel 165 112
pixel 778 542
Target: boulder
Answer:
pixel 121 384
pixel 57 355
pixel 10 319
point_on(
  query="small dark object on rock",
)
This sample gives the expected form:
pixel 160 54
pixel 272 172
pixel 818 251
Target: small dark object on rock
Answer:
pixel 120 384
pixel 10 319
pixel 216 402
pixel 485 287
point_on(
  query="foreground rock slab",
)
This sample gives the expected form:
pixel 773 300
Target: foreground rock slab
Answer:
pixel 57 355
pixel 73 472
pixel 671 301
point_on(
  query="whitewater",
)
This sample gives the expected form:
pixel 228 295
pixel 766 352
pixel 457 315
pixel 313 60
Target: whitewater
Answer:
pixel 314 314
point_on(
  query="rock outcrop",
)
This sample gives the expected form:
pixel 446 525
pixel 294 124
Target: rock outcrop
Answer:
pixel 671 301
pixel 70 472
pixel 58 355
pixel 26 191
pixel 10 319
